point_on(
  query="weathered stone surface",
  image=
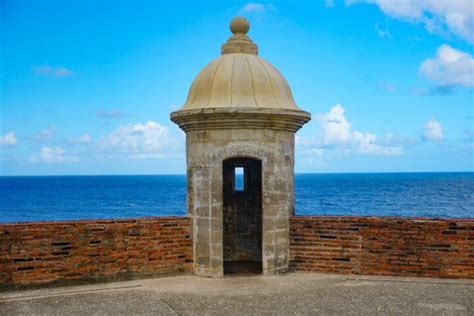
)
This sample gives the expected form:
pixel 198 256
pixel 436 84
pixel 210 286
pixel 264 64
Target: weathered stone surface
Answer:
pixel 205 202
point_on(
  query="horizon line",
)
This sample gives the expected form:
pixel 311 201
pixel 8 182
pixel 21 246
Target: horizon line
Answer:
pixel 184 174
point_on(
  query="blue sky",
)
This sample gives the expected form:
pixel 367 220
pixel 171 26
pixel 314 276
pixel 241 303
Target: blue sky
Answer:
pixel 87 86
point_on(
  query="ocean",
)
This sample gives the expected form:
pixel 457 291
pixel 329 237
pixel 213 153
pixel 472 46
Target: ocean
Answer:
pixel 50 198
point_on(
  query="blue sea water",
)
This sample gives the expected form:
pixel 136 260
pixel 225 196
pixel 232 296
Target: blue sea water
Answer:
pixel 94 197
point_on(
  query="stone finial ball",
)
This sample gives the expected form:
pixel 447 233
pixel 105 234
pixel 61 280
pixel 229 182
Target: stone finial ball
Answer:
pixel 239 25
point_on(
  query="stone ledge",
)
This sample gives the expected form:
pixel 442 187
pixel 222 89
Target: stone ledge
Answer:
pixel 240 118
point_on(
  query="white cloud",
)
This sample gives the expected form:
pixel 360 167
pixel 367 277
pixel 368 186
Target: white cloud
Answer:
pixel 8 140
pixel 396 140
pixel 53 155
pixel 438 16
pixel 433 131
pixel 414 38
pixel 316 157
pixel 82 140
pixel 387 86
pixel 113 113
pixel 43 135
pixel 329 3
pixel 139 141
pixel 449 67
pixel 468 137
pixel 337 131
pixel 47 70
pixel 383 33
pixel 254 7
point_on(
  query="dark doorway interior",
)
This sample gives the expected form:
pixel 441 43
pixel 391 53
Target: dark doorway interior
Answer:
pixel 242 215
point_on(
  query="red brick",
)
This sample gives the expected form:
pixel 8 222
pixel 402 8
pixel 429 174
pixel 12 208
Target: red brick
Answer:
pixel 42 253
pixel 383 246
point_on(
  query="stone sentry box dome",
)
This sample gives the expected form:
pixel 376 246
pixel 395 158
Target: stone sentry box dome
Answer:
pixel 240 121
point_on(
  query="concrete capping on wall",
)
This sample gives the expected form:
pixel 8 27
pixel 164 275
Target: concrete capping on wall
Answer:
pixel 71 252
pixel 418 247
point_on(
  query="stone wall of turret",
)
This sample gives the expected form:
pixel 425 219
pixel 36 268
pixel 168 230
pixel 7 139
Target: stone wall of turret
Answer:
pixel 206 152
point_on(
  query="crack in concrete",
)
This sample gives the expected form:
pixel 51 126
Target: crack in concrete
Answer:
pixel 169 306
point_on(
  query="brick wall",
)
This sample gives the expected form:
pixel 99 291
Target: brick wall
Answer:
pixel 86 251
pixel 33 254
pixel 383 246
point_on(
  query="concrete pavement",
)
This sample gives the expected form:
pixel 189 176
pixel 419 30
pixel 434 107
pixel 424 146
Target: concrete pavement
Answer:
pixel 292 294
